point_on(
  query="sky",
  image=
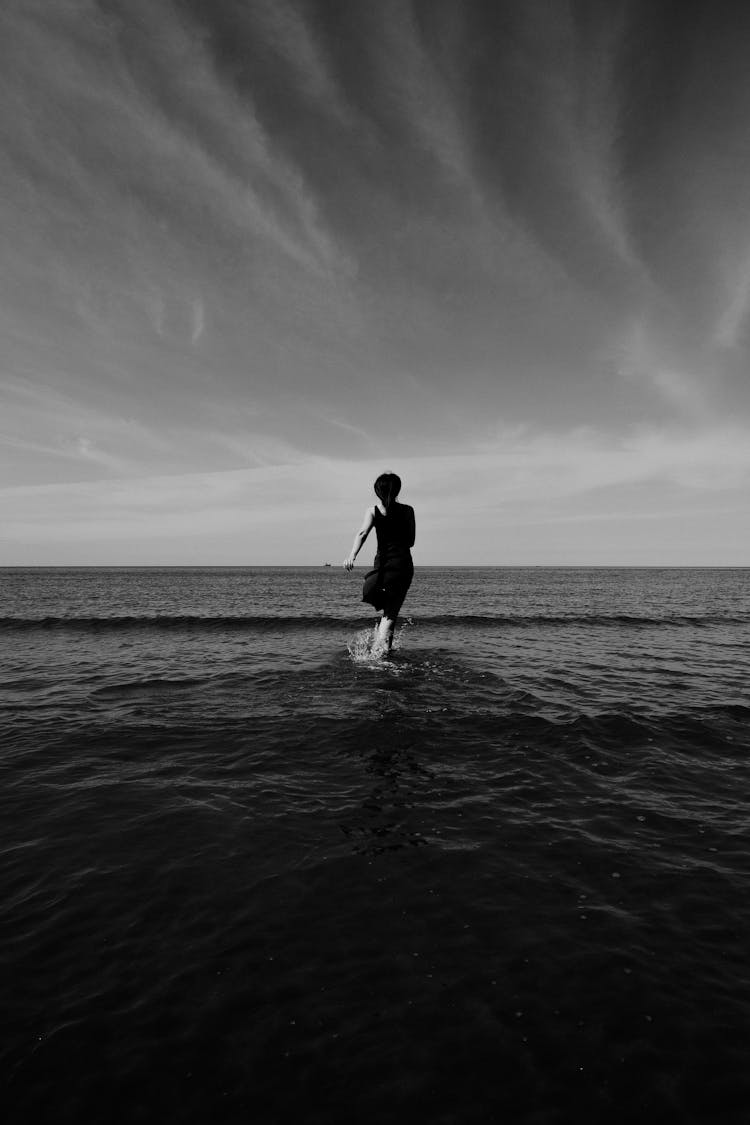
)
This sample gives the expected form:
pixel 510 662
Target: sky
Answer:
pixel 255 253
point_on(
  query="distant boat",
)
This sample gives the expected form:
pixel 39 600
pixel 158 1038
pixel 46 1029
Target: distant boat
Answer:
pixel 327 564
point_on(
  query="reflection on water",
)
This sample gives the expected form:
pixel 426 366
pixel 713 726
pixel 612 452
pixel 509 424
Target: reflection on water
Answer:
pixel 390 813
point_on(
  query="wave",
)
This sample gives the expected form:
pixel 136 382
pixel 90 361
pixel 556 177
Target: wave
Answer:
pixel 489 621
pixel 273 623
pixel 174 621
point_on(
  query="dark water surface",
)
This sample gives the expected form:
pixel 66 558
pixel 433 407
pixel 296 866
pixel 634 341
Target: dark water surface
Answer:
pixel 251 874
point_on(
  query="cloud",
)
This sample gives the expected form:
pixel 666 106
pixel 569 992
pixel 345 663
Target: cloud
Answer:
pixel 419 91
pixel 733 318
pixel 285 28
pixel 547 97
pixel 198 320
pixel 294 512
pixel 647 355
pixel 139 124
pixel 581 94
pixel 241 236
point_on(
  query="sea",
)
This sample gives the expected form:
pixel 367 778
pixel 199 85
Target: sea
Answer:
pixel 253 872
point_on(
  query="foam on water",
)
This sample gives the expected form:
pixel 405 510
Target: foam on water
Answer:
pixel 364 647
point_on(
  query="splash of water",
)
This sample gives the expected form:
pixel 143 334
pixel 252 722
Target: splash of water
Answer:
pixel 398 636
pixel 365 647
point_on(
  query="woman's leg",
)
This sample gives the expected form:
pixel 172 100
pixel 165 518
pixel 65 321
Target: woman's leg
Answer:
pixel 384 637
pixel 387 624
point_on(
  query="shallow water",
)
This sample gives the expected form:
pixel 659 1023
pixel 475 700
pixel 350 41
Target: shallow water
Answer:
pixel 251 871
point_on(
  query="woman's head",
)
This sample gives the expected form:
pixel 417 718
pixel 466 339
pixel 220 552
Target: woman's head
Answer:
pixel 387 488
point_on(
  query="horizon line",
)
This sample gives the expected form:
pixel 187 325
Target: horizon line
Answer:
pixel 335 566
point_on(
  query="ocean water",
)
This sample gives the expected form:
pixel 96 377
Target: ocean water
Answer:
pixel 251 873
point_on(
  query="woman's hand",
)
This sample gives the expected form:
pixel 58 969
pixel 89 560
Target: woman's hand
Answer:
pixel 349 563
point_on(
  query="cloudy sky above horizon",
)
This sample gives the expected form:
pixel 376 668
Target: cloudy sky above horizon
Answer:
pixel 256 252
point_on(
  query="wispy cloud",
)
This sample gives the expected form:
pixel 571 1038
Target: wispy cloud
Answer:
pixel 733 318
pixel 198 320
pixel 300 235
pixel 141 125
pixel 648 357
pixel 292 36
pixel 417 86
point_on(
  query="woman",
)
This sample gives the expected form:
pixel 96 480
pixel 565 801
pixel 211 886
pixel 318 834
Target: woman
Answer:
pixel 385 587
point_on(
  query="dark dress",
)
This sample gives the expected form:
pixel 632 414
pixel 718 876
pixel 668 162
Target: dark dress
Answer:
pixel 386 586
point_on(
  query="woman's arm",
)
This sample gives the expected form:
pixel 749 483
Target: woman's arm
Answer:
pixel 359 538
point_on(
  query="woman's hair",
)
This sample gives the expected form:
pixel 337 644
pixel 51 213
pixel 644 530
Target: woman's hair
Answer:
pixel 387 488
